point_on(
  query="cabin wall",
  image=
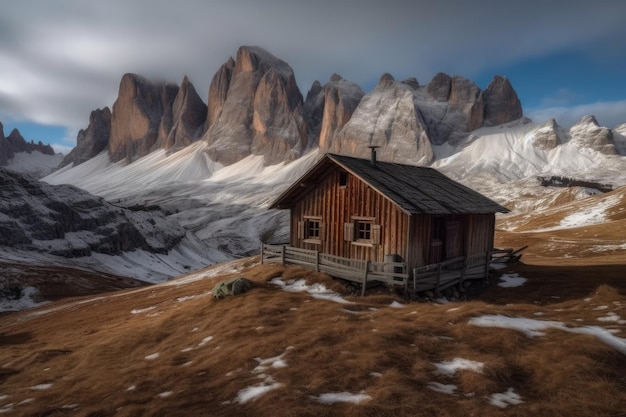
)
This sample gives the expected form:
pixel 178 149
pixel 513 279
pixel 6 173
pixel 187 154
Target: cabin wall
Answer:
pixel 477 234
pixel 335 205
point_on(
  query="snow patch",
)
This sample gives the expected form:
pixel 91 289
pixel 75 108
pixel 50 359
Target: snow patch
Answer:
pixel 318 291
pixel 533 328
pixel 449 368
pixel 442 388
pixel 256 391
pixel 511 281
pixel 341 397
pixel 504 399
pixel 41 387
pixel 27 300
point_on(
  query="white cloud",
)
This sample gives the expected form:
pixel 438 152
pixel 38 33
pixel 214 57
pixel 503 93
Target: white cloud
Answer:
pixel 608 114
pixel 62 59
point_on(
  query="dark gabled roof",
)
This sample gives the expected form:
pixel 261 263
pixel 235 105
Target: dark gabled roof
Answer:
pixel 415 190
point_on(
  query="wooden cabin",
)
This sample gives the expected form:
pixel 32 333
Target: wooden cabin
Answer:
pixel 378 211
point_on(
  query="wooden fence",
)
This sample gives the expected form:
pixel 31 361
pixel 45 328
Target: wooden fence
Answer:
pixel 359 271
pixel 451 272
pixel 436 277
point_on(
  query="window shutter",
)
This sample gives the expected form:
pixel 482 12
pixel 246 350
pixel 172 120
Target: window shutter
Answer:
pixel 348 232
pixel 300 230
pixel 322 231
pixel 375 230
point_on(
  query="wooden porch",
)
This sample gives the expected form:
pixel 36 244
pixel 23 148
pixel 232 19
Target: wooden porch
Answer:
pixel 434 277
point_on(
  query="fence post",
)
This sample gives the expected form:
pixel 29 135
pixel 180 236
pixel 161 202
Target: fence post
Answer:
pixel 465 266
pixel 261 253
pixel 317 261
pixel 367 267
pixel 437 293
pixel 282 255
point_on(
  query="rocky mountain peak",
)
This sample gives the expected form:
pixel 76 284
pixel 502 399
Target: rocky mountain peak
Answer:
pixel 549 135
pixel 218 91
pixel 501 102
pixel 92 140
pixel 154 115
pixel 188 117
pixel 141 116
pixel 15 143
pixel 439 87
pixel 387 117
pixel 259 110
pixel 587 133
pixel 340 99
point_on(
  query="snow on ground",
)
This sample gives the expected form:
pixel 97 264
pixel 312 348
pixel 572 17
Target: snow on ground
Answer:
pixel 35 163
pixel 511 281
pixel 442 388
pixel 28 299
pixel 449 368
pixel 316 290
pixel 504 399
pixel 341 397
pixel 268 384
pixel 534 328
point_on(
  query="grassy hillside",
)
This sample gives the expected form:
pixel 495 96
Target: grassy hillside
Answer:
pixel 173 350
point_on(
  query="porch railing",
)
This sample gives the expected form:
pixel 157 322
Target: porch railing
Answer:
pixel 435 277
pixel 354 270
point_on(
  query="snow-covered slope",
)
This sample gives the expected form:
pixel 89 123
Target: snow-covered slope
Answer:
pixel 34 163
pixel 224 209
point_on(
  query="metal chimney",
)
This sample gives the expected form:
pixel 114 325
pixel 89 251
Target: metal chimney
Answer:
pixel 373 158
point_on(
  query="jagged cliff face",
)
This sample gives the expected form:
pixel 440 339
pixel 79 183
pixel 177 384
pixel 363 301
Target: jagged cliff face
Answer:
pixel 387 117
pixel 148 116
pixel 619 137
pixel 406 119
pixel 586 133
pixel 142 115
pixel 188 118
pixel 15 143
pixel 501 102
pixel 66 221
pixel 255 107
pixel 93 140
pixel 340 100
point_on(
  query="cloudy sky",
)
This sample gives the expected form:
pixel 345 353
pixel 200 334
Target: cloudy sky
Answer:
pixel 61 59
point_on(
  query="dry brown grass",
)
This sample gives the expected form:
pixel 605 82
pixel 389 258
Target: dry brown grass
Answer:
pixel 92 350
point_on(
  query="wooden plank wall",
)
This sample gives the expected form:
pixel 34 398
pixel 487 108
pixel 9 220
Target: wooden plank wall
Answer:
pixel 337 205
pixel 477 236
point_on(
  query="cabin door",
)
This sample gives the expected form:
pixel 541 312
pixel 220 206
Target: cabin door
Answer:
pixel 446 240
pixel 454 239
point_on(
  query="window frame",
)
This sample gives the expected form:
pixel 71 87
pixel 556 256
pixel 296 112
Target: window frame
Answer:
pixel 371 231
pixel 313 223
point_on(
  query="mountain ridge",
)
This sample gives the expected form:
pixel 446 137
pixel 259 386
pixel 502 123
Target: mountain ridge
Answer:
pixel 255 107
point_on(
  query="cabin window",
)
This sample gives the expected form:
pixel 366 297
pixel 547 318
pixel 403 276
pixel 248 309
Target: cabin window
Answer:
pixel 311 230
pixel 343 179
pixel 362 231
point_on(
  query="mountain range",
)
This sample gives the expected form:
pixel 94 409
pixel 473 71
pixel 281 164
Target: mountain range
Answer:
pixel 212 168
